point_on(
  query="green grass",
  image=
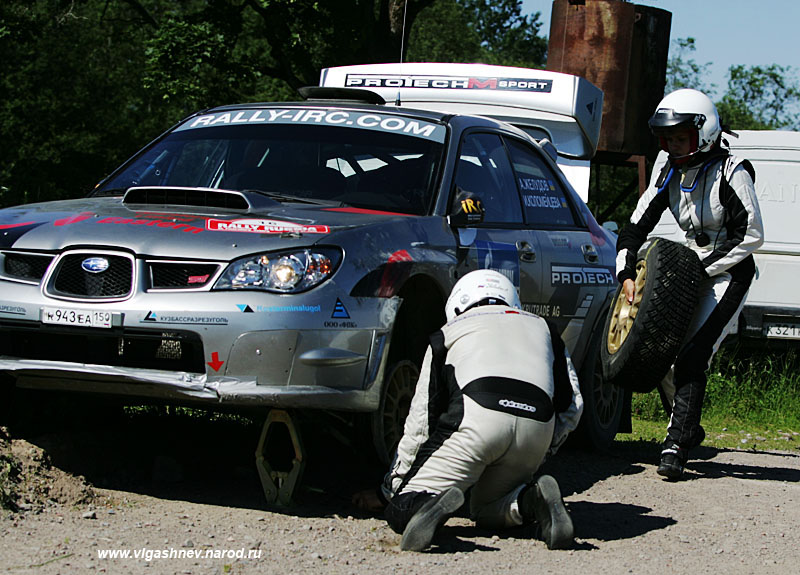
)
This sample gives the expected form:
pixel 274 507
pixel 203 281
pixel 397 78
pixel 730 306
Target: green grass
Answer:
pixel 752 402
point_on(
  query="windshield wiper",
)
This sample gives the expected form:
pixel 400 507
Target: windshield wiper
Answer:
pixel 107 192
pixel 283 197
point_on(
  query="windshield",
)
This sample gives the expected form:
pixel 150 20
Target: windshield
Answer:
pixel 372 161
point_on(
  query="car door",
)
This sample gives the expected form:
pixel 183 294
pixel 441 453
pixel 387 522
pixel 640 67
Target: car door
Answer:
pixel 575 279
pixel 501 241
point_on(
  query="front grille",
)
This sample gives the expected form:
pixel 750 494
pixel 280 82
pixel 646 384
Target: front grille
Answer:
pixel 71 280
pixel 136 348
pixel 177 275
pixel 29 267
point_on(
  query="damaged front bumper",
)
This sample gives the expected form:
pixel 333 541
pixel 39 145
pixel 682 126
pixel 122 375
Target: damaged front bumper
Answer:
pixel 186 387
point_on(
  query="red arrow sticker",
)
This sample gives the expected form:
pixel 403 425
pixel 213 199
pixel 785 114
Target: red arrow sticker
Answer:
pixel 215 362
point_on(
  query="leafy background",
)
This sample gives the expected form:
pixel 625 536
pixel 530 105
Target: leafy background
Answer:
pixel 86 83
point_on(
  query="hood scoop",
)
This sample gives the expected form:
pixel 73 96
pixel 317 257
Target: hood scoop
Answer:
pixel 197 197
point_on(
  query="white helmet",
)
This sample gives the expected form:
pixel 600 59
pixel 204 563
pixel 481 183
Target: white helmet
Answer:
pixel 683 109
pixel 481 287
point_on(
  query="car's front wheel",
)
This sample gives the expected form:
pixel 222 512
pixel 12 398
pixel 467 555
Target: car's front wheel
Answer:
pixel 387 422
pixel 603 402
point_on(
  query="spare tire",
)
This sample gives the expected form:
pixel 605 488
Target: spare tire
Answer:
pixel 643 338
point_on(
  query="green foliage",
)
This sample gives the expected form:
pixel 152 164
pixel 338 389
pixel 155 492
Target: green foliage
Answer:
pixel 9 477
pixel 683 71
pixel 761 98
pixel 757 97
pixel 488 31
pixel 507 36
pixel 73 105
pixel 443 32
pixel 613 192
pixel 757 387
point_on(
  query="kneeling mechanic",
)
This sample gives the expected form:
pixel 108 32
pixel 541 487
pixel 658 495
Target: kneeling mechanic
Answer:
pixel 496 395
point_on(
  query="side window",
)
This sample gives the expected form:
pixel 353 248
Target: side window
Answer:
pixel 484 170
pixel 543 197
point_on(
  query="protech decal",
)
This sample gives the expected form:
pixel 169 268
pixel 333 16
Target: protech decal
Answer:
pixel 447 82
pixel 153 317
pixel 254 226
pixel 340 118
pixel 561 275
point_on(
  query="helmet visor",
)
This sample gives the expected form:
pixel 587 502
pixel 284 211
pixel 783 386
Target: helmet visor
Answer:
pixel 665 120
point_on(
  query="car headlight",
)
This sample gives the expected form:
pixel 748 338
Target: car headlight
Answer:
pixel 282 272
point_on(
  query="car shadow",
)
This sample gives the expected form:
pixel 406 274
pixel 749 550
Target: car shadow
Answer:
pixel 209 458
pixel 189 455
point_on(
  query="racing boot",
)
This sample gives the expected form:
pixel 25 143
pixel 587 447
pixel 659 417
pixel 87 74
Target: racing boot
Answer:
pixel 421 528
pixel 541 502
pixel 673 460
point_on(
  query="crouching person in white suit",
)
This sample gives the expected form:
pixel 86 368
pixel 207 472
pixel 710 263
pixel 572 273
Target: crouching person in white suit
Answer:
pixel 496 395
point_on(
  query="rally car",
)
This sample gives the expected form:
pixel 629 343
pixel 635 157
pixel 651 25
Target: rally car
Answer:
pixel 297 256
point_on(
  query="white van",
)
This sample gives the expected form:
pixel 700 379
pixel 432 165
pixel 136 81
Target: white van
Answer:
pixel 772 309
pixel 562 108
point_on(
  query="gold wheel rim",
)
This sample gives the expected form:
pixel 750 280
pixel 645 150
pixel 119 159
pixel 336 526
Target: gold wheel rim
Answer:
pixel 625 313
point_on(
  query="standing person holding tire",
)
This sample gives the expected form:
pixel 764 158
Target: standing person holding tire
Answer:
pixel 711 194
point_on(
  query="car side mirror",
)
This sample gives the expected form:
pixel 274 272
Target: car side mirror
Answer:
pixel 550 148
pixel 467 210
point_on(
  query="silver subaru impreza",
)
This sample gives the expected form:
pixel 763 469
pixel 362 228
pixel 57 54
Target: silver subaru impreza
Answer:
pixel 297 255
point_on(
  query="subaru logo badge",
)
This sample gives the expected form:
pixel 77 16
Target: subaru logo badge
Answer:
pixel 95 265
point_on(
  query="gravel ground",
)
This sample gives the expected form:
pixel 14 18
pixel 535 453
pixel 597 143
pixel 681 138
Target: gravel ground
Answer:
pixel 154 486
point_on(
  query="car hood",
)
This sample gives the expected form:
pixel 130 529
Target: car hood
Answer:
pixel 182 232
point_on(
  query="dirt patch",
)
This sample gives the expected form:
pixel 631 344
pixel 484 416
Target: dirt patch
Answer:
pixel 29 481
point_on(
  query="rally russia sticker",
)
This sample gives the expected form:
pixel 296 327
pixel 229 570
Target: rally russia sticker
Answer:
pixel 257 226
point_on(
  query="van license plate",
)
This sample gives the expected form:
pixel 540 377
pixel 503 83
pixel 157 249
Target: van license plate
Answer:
pixel 782 330
pixel 76 317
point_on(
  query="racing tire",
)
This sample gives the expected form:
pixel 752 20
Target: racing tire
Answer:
pixel 642 339
pixel 603 403
pixel 388 421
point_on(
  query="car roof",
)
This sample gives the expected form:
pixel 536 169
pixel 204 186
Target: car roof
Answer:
pixel 351 105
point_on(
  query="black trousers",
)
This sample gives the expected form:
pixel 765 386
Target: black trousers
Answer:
pixel 690 367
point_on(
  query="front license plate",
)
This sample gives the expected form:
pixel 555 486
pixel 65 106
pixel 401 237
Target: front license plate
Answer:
pixel 77 317
pixel 782 330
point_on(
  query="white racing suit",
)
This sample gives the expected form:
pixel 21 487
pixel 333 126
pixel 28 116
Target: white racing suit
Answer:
pixel 714 196
pixel 496 394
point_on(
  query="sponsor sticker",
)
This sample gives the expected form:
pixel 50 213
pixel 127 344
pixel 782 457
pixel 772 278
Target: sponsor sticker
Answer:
pixel 186 319
pixel 543 309
pixel 279 308
pixel 257 226
pixel 447 82
pixel 13 309
pixel 321 117
pixel 499 256
pixel 138 221
pixel 562 275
